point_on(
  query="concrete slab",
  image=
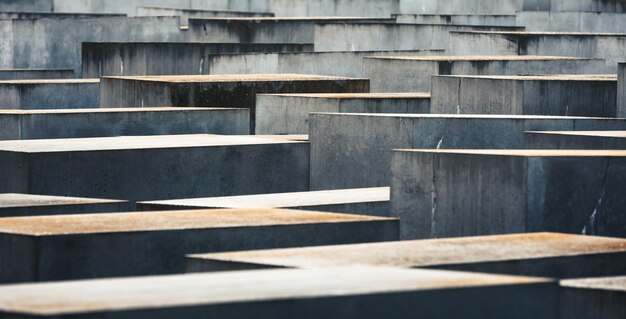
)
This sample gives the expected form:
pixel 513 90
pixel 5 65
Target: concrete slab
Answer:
pixel 27 5
pixel 165 58
pixel 186 14
pixel 413 74
pixel 353 292
pixel 607 46
pixel 483 192
pixel 54 15
pixel 578 5
pixel 54 124
pixel 128 7
pixel 564 95
pixel 365 201
pixel 50 94
pixel 576 21
pixel 266 30
pixel 457 19
pixel 21 205
pixel 53 248
pixel 354 150
pixel 540 254
pixel 32 74
pixel 621 89
pixel 582 140
pixel 289 113
pixel 593 298
pixel 460 6
pixel 155 167
pixel 378 36
pixel 237 90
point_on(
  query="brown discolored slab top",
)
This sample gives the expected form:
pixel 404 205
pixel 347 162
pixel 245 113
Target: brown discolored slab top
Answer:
pixel 108 295
pixel 49 81
pixel 26 200
pixel 293 137
pixel 426 253
pixel 451 58
pixel 525 152
pixel 609 134
pixel 543 33
pixel 115 110
pixel 169 220
pixel 546 77
pixel 356 95
pixel 617 284
pixel 469 116
pixel 234 78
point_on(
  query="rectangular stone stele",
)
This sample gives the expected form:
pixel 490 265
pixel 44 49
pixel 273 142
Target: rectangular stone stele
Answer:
pixel 582 140
pixel 483 192
pixel 621 90
pixel 51 248
pixel 366 201
pixel 50 94
pixel 352 292
pixel 31 74
pixel 539 254
pixel 593 298
pixel 20 205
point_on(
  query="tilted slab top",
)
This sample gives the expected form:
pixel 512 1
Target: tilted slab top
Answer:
pixel 230 78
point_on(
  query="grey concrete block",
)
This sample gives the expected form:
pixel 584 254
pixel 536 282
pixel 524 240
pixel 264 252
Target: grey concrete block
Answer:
pixel 50 94
pixel 21 205
pixel 54 124
pixel 289 113
pixel 165 58
pixel 453 193
pixel 607 46
pixel 354 150
pixel 413 74
pixel 458 19
pixel 575 5
pixel 621 90
pixel 128 7
pixel 32 74
pixel 365 201
pixel 593 298
pixel 26 5
pixel 186 14
pixel 563 95
pixel 55 15
pixel 538 254
pixel 576 21
pixel 155 167
pixel 353 292
pixel 378 36
pixel 70 247
pixel 582 140
pixel 460 6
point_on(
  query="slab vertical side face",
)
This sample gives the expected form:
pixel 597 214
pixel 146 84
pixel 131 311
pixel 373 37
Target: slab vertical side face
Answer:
pixel 569 98
pixel 289 115
pixel 593 298
pixel 14 170
pixel 387 75
pixel 621 90
pixel 10 127
pixel 60 95
pixel 477 96
pixel 465 43
pixel 18 258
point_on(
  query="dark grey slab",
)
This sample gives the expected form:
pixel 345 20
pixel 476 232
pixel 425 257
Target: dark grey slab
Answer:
pixel 582 140
pixel 50 94
pixel 31 74
pixel 186 14
pixel 593 298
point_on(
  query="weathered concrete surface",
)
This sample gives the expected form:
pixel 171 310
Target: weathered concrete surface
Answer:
pixel 128 7
pixel 266 30
pixel 289 113
pixel 347 63
pixel 413 73
pixel 186 14
pixel 621 90
pixel 352 292
pixel 572 21
pixel 593 298
pixel 31 74
pixel 453 193
pixel 379 36
pixel 460 6
pixel 218 90
pixel 21 205
pixel 50 94
pixel 26 5
pixel 564 95
pixel 578 5
pixel 607 46
pixel 54 15
pixel 354 150
pixel 458 19
pixel 582 140
pixel 54 124
pixel 155 167
pixel 539 254
pixel 52 248
pixel 163 58
pixel 364 201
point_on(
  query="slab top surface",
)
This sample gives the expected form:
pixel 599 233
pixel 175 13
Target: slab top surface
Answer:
pixel 451 58
pixel 232 78
pixel 303 19
pixel 543 33
pixel 613 134
pixel 617 284
pixel 525 152
pixel 467 116
pixel 356 95
pixel 27 200
pixel 546 77
pixel 50 81
pixel 232 287
pixel 287 200
pixel 113 110
pixel 169 220
pixel 433 252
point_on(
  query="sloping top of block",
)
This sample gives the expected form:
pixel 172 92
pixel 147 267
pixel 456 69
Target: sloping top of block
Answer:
pixel 525 33
pixel 609 134
pixel 451 58
pixel 304 19
pixel 468 116
pixel 617 284
pixel 233 78
pixel 546 77
pixel 527 153
pixel 356 95
pixel 116 110
pixel 50 81
pixel 27 200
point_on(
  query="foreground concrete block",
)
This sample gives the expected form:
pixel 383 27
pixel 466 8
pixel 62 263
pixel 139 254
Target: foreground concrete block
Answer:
pixel 621 90
pixel 365 201
pixel 575 21
pixel 51 124
pixel 482 192
pixel 460 6
pixel 457 19
pixel 51 248
pixel 27 5
pixel 186 14
pixel 540 254
pixel 50 94
pixel 20 205
pixel 354 292
pixel 165 58
pixel 607 46
pixel 289 113
pixel 31 74
pixel 582 140
pixel 413 74
pixel 155 167
pixel 593 298
pixel 380 36
pixel 353 150
pixel 564 95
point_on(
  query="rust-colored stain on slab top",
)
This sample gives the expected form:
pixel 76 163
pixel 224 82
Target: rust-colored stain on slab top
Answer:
pixel 233 78
pixel 452 58
pixel 546 77
pixel 27 200
pixel 50 81
pixel 525 153
pixel 609 283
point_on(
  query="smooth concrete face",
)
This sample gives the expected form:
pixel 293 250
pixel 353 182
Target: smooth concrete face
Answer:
pixel 378 37
pixel 353 292
pixel 50 94
pixel 27 5
pixel 593 298
pixel 572 21
pixel 590 140
pixel 621 90
pixel 155 167
pixel 539 254
pixel 460 6
pixel 578 5
pixel 607 46
pixel 161 58
pixel 21 205
pixel 413 74
pixel 365 201
pixel 186 14
pixel 55 124
pixel 31 74
pixel 457 19
pixel 128 7
pixel 289 113
pixel 53 248
pixel 483 192
pixel 560 95
pixel 354 150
